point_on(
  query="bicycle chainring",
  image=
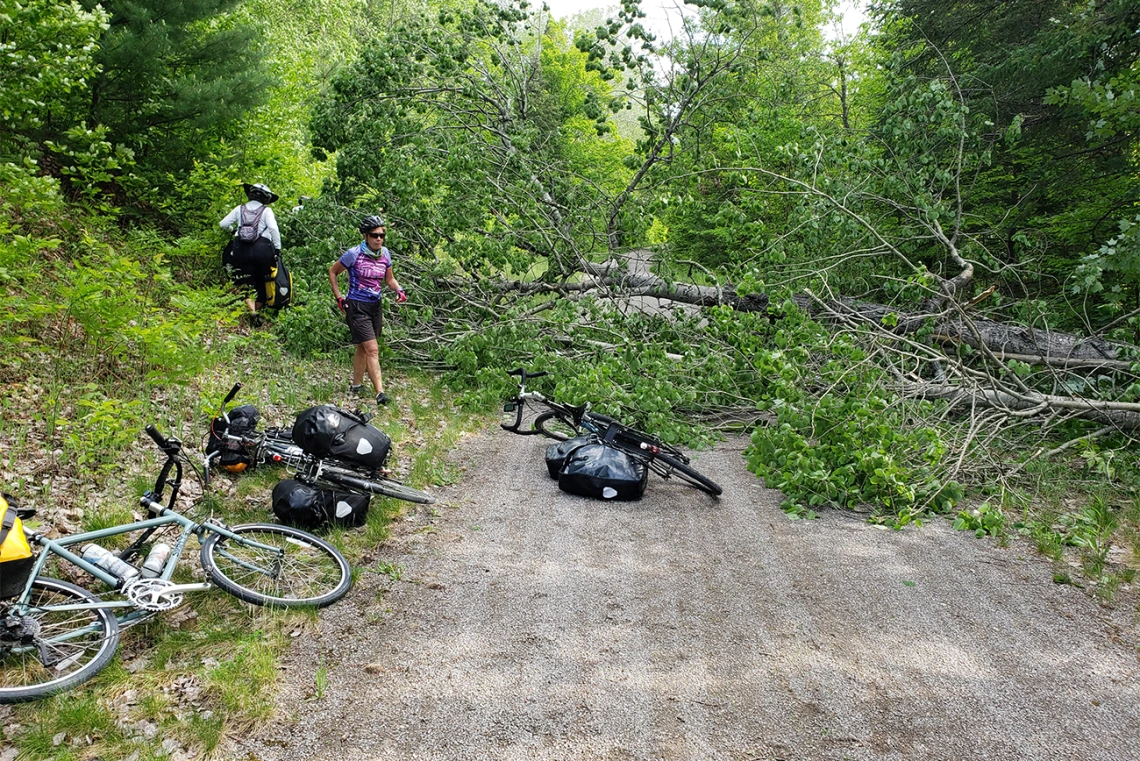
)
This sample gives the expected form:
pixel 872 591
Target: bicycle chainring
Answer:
pixel 152 594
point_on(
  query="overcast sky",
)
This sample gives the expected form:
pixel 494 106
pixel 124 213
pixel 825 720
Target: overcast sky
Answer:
pixel 659 11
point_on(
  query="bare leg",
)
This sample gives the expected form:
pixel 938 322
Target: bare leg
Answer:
pixel 367 358
pixel 359 365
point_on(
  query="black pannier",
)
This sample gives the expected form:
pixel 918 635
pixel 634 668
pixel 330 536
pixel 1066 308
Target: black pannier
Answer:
pixel 557 453
pixel 309 507
pixel 326 431
pixel 595 470
pixel 231 457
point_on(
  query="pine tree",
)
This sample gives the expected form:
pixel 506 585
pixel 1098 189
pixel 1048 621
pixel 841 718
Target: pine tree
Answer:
pixel 177 75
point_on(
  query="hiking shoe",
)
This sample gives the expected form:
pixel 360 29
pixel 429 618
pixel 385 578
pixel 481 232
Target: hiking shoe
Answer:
pixel 356 389
pixel 381 399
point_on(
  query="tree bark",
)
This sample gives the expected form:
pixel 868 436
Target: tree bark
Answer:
pixel 1006 341
pixel 1122 415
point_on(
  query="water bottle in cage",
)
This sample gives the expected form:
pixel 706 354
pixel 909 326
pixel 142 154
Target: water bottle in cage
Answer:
pixel 155 560
pixel 109 562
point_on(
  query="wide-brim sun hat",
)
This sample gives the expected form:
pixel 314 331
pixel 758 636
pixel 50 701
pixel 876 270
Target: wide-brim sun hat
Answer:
pixel 251 191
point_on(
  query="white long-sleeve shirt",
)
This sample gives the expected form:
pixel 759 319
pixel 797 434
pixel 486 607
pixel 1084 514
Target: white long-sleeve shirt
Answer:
pixel 266 228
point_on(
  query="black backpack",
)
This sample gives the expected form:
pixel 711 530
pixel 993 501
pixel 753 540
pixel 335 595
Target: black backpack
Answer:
pixel 247 231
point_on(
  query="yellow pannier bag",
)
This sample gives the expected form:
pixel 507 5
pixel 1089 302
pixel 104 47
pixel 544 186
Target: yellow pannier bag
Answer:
pixel 16 559
pixel 13 544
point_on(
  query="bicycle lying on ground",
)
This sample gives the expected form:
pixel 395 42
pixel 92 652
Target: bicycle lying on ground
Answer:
pixel 55 635
pixel 276 446
pixel 563 421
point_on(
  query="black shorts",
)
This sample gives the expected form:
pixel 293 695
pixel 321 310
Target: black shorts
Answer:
pixel 364 320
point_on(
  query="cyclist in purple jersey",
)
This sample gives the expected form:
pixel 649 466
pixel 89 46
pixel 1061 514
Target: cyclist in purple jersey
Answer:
pixel 369 268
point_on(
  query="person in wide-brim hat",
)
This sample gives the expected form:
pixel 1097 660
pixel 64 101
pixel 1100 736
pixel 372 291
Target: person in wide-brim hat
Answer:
pixel 252 259
pixel 259 192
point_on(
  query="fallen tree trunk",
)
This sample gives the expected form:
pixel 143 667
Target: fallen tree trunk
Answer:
pixel 1123 415
pixel 1005 341
pixel 994 340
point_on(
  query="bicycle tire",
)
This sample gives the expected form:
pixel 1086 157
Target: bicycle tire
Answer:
pixel 383 486
pixel 686 472
pixel 313 572
pixel 554 426
pixel 81 656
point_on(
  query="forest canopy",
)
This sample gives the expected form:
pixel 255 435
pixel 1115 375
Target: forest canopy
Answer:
pixel 905 262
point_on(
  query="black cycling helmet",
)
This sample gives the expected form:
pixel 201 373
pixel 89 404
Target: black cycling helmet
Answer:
pixel 371 223
pixel 259 192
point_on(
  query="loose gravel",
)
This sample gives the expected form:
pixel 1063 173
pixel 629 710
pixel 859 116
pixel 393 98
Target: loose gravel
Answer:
pixel 530 624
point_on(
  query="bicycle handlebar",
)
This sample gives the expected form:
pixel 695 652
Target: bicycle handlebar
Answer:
pixel 230 396
pixel 523 374
pixel 518 410
pixel 172 448
pixel 158 437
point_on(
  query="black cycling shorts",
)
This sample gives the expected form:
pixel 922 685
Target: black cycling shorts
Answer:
pixel 364 320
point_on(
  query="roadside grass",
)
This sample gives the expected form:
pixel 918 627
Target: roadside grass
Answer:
pixel 192 676
pixel 1082 517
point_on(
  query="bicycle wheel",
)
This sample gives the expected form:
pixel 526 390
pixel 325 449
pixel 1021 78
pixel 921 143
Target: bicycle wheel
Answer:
pixel 554 426
pixel 686 472
pixel 48 650
pixel 294 568
pixel 384 486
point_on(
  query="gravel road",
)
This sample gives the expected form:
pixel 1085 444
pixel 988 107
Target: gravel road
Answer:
pixel 529 624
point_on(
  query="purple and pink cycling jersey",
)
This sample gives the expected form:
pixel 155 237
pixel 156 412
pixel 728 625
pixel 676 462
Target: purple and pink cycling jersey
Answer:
pixel 366 273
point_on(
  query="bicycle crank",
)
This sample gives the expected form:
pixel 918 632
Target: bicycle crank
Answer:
pixel 153 594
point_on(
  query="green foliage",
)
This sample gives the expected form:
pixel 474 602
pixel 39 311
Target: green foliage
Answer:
pixel 102 428
pixel 1048 85
pixel 90 163
pixel 175 78
pixel 1113 271
pixel 983 520
pixel 486 153
pixel 838 439
pixel 48 51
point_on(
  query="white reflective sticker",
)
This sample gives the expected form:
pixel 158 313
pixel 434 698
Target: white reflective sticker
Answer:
pixel 609 492
pixel 363 447
pixel 343 509
pixel 283 291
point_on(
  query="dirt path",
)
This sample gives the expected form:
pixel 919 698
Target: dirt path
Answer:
pixel 529 624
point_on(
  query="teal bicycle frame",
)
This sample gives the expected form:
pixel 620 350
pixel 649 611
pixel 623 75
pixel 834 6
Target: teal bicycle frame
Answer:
pixel 166 517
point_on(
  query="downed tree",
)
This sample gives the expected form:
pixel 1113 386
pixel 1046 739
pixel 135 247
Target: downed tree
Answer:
pixel 1003 340
pixel 978 377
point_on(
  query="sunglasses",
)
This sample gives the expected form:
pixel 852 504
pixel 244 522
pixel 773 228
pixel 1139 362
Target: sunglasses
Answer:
pixel 376 235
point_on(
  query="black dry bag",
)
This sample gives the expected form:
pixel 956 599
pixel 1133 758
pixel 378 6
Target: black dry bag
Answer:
pixel 557 452
pixel 595 470
pixel 278 285
pixel 328 432
pixel 310 507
